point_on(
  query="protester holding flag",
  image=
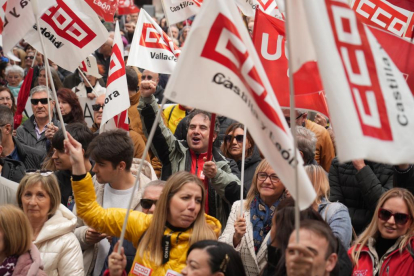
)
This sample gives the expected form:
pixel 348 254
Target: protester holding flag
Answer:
pixel 179 218
pixel 41 79
pixel 249 234
pixel 83 89
pixel 232 148
pixel 386 246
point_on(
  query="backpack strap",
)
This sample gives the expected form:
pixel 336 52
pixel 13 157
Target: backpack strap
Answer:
pixel 169 116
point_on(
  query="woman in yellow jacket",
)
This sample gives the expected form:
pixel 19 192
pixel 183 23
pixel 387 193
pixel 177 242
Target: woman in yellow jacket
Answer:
pixel 162 240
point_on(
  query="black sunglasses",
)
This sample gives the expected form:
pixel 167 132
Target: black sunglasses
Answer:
pixel 288 118
pixel 36 101
pixel 145 77
pixel 97 107
pixel 147 203
pixel 400 218
pixel 29 57
pixel 229 138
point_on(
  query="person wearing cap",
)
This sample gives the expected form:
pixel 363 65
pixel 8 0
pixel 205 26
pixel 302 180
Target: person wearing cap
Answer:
pixel 90 70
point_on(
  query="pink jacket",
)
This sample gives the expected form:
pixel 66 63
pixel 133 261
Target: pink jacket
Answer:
pixel 29 264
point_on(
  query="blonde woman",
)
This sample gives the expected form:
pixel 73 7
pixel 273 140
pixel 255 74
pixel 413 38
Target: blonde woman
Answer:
pixel 162 239
pixel 18 255
pixel 386 245
pixel 334 213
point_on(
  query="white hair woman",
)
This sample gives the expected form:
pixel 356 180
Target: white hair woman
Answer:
pixel 14 77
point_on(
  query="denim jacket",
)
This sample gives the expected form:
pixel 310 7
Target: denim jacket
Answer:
pixel 337 216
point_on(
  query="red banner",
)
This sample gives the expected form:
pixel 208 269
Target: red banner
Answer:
pixel 127 7
pixel 104 8
pixel 269 41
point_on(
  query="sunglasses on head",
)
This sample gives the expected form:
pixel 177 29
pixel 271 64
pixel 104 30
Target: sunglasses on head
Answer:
pixel 147 203
pixel 36 101
pixel 229 138
pixel 399 218
pixel 97 107
pixel 41 172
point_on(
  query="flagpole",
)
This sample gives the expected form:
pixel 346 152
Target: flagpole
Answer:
pixel 33 62
pixel 47 69
pixel 141 165
pixel 85 78
pixel 166 16
pixel 293 122
pixel 242 170
pixel 210 145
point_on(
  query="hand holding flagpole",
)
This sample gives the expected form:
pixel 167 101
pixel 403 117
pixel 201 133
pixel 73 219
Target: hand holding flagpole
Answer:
pixel 242 171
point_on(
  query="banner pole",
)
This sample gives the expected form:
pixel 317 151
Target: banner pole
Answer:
pixel 166 16
pixel 242 170
pixel 293 121
pixel 85 78
pixel 141 165
pixel 33 62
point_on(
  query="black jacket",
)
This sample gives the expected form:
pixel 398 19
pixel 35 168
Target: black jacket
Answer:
pixel 359 191
pixel 404 179
pixel 12 169
pixel 250 165
pixel 31 158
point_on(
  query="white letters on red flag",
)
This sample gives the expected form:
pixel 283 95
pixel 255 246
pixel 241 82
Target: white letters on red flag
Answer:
pixel 383 14
pixel 220 71
pixel 71 30
pixel 269 41
pixel 127 7
pixel 180 10
pixel 151 48
pixel 371 106
pixel 117 97
pixel 104 8
pixel 19 20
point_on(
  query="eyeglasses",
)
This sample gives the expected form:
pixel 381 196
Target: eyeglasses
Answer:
pixel 97 107
pixel 400 218
pixel 230 138
pixel 36 101
pixel 29 57
pixel 5 99
pixel 144 77
pixel 288 118
pixel 147 203
pixel 41 172
pixel 262 176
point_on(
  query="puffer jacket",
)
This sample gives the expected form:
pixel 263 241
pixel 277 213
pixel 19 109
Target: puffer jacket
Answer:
pixel 392 263
pixel 59 248
pixel 250 165
pixel 12 169
pixel 29 264
pixel 110 221
pixel 26 134
pixel 359 190
pixel 224 188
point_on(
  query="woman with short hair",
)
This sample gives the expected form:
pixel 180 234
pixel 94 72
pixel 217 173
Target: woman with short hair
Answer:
pixel 18 255
pixel 38 195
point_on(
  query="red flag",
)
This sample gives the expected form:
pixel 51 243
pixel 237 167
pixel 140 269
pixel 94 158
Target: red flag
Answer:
pixel 104 8
pixel 269 41
pixel 405 4
pixel 127 7
pixel 22 98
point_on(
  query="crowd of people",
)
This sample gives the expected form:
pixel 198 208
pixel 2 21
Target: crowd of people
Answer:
pixel 63 201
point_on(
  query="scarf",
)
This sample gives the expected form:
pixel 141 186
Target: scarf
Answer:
pixel 8 265
pixel 261 218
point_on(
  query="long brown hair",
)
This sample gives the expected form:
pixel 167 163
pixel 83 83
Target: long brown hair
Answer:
pixel 372 229
pixel 225 147
pixel 150 243
pixel 76 115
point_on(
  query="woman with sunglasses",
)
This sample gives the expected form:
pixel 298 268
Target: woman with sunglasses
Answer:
pixel 386 245
pixel 38 195
pixel 232 148
pixel 249 234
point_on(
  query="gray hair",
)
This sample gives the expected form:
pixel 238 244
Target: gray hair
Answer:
pixel 306 143
pixel 14 69
pixel 41 88
pixel 154 183
pixel 6 116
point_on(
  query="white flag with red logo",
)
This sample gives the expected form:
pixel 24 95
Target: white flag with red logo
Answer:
pixel 220 71
pixel 179 10
pixel 383 14
pixel 247 7
pixel 151 48
pixel 269 7
pixel 127 7
pixel 371 106
pixel 71 30
pixel 19 20
pixel 117 97
pixel 90 67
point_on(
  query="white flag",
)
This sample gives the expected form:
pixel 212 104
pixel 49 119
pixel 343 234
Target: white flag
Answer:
pixel 269 7
pixel 117 97
pixel 19 20
pixel 220 71
pixel 371 106
pixel 179 10
pixel 151 48
pixel 71 31
pixel 90 67
pixel 247 7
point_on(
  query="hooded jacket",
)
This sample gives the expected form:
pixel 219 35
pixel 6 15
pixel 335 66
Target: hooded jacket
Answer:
pixel 110 221
pixel 58 246
pixel 29 264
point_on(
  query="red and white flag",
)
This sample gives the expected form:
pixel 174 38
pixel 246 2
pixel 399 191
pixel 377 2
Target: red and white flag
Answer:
pixel 269 39
pixel 179 10
pixel 117 97
pixel 247 7
pixel 383 14
pixel 220 71
pixel 19 20
pixel 269 7
pixel 151 48
pixel 71 30
pixel 104 8
pixel 127 7
pixel 371 106
pixel 90 67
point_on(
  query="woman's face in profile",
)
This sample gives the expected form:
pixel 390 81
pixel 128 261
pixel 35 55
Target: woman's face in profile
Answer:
pixel 197 264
